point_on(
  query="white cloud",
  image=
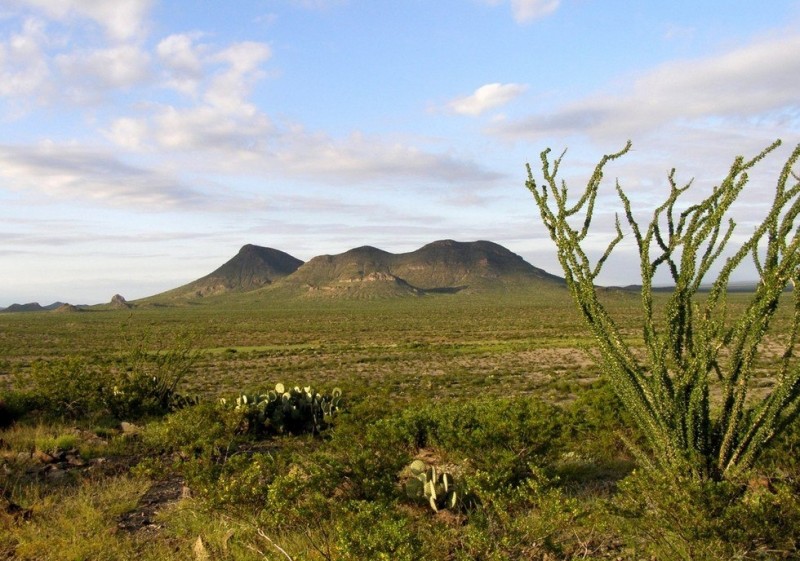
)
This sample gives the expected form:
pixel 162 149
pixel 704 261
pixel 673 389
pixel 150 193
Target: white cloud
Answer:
pixel 234 136
pixel 526 11
pixel 38 65
pixel 209 129
pixel 529 10
pixel 122 20
pixel 24 70
pixel 129 133
pixel 70 172
pixel 359 158
pixel 222 120
pixel 88 74
pixel 486 97
pixel 181 59
pixel 230 87
pixel 756 81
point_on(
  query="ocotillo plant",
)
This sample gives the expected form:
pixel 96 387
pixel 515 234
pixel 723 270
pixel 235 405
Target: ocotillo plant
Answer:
pixel 667 391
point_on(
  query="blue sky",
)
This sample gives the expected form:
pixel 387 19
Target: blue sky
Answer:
pixel 143 142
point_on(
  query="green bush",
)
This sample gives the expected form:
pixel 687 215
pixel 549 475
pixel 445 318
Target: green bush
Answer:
pixel 530 520
pixel 205 430
pixel 498 435
pixel 14 404
pixel 145 382
pixel 137 384
pixel 377 532
pixel 709 520
pixel 242 482
pixel 303 495
pixel 71 388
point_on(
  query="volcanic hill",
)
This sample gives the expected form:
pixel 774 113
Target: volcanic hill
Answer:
pixel 442 266
pixel 252 268
pixel 366 272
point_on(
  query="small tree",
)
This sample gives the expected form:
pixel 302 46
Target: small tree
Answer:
pixel 667 391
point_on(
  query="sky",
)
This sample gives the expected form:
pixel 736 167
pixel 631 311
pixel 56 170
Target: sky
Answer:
pixel 143 142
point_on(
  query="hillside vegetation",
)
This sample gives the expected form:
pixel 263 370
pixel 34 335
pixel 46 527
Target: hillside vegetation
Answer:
pixel 366 273
pixel 467 426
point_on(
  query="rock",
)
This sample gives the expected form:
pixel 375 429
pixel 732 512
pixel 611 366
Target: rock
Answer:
pixel 119 302
pixel 129 428
pixel 44 457
pixel 160 495
pixel 200 551
pixel 54 472
pixel 74 460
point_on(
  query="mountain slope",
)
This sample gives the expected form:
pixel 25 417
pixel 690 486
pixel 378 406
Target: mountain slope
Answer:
pixel 252 268
pixel 449 264
pixel 442 266
pixel 362 272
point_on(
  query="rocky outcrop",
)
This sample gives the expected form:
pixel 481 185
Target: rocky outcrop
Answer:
pixel 118 301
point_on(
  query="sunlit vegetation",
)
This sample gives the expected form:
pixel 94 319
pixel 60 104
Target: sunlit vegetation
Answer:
pixel 500 391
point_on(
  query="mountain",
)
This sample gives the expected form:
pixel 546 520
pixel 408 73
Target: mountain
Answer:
pixel 252 268
pixel 448 264
pixel 442 266
pixel 363 272
pixel 31 307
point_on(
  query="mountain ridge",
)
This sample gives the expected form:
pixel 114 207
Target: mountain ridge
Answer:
pixel 31 307
pixel 367 272
pixel 364 272
pixel 441 266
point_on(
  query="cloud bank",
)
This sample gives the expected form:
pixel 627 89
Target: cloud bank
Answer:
pixel 757 80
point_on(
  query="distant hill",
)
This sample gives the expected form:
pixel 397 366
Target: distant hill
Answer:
pixel 449 264
pixel 67 309
pixel 363 272
pixel 252 268
pixel 31 307
pixel 442 266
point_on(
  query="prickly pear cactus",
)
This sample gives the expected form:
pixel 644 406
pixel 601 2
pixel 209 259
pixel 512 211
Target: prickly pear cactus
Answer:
pixel 426 485
pixel 281 410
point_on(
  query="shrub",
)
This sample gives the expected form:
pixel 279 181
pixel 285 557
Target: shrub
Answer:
pixel 144 382
pixel 70 388
pixel 709 520
pixel 377 532
pixel 504 436
pixel 136 384
pixel 530 520
pixel 667 391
